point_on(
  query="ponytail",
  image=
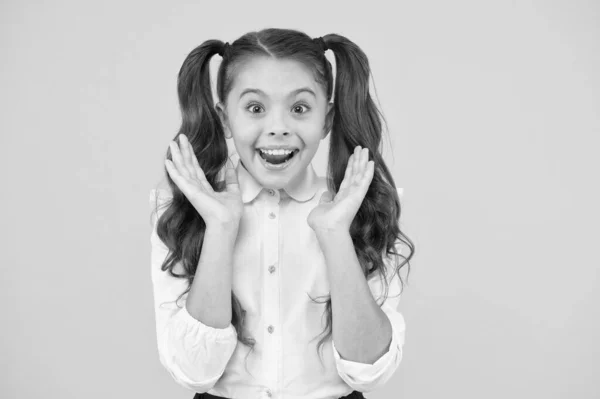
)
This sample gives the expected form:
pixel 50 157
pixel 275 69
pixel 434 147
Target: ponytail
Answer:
pixel 356 118
pixel 200 122
pixel 181 227
pixel 357 121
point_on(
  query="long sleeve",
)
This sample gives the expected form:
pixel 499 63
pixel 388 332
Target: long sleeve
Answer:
pixel 365 377
pixel 194 354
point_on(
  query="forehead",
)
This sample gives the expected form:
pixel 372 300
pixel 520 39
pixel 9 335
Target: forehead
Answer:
pixel 276 77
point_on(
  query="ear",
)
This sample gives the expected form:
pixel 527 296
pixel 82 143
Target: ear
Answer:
pixel 328 120
pixel 223 117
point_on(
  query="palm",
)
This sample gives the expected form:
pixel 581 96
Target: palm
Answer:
pixel 220 206
pixel 224 207
pixel 338 214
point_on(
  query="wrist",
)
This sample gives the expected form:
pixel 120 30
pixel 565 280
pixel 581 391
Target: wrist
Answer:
pixel 223 229
pixel 330 232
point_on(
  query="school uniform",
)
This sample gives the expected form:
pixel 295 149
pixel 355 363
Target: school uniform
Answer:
pixel 277 261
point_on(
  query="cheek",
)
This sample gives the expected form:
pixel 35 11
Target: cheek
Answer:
pixel 245 132
pixel 314 132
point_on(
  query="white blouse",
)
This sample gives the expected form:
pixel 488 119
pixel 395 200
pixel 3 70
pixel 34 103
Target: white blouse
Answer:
pixel 277 261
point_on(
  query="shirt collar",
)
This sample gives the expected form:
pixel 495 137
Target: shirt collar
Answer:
pixel 305 188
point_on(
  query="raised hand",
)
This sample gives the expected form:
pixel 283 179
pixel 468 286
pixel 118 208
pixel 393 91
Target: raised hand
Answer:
pixel 338 214
pixel 221 209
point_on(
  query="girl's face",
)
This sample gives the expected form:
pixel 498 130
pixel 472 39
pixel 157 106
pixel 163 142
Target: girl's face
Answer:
pixel 275 104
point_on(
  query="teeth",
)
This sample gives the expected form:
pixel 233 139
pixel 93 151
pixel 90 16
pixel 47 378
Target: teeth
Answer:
pixel 276 152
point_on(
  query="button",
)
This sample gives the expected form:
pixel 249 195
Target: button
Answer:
pixel 270 329
pixel 271 215
pixel 269 393
pixel 271 269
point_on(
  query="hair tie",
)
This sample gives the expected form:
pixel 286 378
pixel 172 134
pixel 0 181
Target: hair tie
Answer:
pixel 223 49
pixel 321 43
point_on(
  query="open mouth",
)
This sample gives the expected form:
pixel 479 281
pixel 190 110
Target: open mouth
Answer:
pixel 277 159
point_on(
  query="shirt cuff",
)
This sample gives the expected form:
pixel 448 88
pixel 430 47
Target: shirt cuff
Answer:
pixel 365 377
pixel 196 354
pixel 190 325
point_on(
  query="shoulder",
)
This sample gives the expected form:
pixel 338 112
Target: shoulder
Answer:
pixel 400 192
pixel 163 185
pixel 160 194
pixel 162 188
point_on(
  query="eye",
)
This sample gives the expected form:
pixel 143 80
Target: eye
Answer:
pixel 298 106
pixel 251 107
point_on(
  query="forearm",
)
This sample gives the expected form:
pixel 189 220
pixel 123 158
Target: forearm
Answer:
pixel 361 330
pixel 209 299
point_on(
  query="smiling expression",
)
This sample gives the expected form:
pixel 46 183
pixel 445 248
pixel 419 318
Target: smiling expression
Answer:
pixel 275 103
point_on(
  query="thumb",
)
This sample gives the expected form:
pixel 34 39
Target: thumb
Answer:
pixel 325 197
pixel 231 181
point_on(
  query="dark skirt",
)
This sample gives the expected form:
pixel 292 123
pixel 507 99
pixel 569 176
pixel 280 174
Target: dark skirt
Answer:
pixel 351 395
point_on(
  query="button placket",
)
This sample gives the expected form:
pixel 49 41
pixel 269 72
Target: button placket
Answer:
pixel 271 289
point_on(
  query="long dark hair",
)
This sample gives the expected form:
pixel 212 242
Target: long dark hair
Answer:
pixel 375 230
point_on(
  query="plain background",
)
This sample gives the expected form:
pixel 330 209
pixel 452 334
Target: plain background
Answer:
pixel 493 114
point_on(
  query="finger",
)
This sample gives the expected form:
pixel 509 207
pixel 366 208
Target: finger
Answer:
pixel 364 157
pixel 355 166
pixel 196 170
pixel 365 181
pixel 369 172
pixel 199 173
pixel 221 174
pixel 369 175
pixel 325 197
pixel 177 160
pixel 231 181
pixel 175 175
pixel 181 181
pixel 348 174
pixel 185 148
pixel 349 168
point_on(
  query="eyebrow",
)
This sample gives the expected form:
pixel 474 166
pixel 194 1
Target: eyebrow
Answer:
pixel 293 93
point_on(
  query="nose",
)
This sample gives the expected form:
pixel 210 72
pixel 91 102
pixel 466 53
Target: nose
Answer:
pixel 277 125
pixel 278 134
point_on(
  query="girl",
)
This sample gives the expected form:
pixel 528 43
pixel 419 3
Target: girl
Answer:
pixel 248 254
